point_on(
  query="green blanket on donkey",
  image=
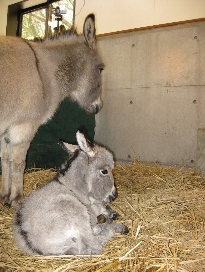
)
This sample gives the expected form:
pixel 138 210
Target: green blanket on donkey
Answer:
pixel 44 151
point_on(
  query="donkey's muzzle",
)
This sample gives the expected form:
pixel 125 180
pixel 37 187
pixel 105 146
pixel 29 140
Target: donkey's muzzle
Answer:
pixel 96 106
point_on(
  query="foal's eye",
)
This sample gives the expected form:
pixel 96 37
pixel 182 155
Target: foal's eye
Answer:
pixel 104 172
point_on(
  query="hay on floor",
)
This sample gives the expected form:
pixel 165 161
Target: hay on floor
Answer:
pixel 164 208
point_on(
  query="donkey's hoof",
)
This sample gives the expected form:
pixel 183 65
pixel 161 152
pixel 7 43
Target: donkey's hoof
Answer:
pixel 8 201
pixel 16 201
pixel 6 204
pixel 5 200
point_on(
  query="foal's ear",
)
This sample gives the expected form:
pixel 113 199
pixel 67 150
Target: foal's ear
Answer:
pixel 89 31
pixel 68 147
pixel 84 144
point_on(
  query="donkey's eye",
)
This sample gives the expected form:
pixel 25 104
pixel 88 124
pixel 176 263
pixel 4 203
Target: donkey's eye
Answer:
pixel 101 69
pixel 104 172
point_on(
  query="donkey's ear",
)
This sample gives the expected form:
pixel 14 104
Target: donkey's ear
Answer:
pixel 68 147
pixel 84 144
pixel 89 31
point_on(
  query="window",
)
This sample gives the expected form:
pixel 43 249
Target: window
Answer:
pixel 46 19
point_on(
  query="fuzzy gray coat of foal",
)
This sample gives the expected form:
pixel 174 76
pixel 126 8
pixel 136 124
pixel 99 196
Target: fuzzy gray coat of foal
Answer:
pixel 61 217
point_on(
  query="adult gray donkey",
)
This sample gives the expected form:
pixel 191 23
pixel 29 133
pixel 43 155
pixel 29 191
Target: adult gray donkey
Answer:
pixel 35 78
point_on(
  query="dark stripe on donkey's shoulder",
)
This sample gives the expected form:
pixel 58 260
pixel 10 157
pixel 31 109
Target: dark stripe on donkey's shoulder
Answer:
pixel 67 165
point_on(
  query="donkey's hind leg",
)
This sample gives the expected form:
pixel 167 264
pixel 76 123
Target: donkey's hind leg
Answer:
pixel 6 171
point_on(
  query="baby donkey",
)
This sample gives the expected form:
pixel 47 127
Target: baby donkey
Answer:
pixel 61 217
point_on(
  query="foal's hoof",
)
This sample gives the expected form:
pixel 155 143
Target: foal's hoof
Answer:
pixel 115 215
pixel 125 230
pixel 112 214
pixel 121 228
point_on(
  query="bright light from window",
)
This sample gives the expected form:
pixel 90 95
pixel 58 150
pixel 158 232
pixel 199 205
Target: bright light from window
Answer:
pixel 40 23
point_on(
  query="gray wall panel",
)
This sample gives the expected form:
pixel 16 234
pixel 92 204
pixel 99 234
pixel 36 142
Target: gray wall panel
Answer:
pixel 154 93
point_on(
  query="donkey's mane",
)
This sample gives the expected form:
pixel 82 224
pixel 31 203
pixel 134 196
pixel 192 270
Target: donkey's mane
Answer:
pixel 68 34
pixel 72 32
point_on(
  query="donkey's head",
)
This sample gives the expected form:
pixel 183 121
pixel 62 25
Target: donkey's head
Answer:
pixel 95 163
pixel 80 69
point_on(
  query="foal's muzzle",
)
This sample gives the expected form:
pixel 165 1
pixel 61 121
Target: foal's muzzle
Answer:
pixel 112 196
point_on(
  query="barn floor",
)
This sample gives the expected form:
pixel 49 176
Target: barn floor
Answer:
pixel 164 208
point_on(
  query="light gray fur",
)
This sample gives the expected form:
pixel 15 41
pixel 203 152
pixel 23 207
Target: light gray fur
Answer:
pixel 61 217
pixel 35 78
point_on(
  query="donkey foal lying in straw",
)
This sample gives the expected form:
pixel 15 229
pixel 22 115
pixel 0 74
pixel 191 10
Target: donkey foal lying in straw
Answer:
pixel 35 78
pixel 61 217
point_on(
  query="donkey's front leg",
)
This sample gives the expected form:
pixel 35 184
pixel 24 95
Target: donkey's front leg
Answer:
pixel 15 146
pixel 18 158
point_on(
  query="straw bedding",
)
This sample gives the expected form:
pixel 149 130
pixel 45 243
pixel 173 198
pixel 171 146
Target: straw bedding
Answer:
pixel 164 208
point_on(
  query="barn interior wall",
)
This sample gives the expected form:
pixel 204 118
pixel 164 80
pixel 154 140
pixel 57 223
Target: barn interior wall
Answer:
pixel 4 11
pixel 154 79
pixel 117 15
pixel 154 93
pixel 3 14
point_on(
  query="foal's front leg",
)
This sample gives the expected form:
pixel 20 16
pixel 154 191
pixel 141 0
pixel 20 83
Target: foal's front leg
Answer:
pixel 108 230
pixel 108 215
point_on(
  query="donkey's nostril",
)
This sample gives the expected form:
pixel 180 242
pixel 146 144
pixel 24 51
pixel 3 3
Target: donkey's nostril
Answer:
pixel 97 109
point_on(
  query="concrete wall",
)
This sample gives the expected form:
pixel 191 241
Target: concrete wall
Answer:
pixel 154 93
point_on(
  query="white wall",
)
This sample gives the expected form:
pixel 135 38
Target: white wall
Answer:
pixel 4 10
pixel 117 15
pixel 3 14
